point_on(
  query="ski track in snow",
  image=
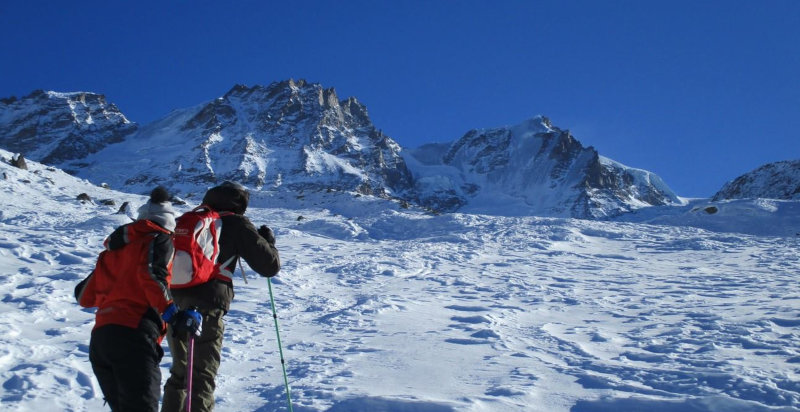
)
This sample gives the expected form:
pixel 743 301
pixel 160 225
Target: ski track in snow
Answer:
pixel 400 312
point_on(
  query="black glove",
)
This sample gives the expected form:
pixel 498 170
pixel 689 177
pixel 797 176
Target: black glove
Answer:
pixel 267 234
pixel 186 322
pixel 80 286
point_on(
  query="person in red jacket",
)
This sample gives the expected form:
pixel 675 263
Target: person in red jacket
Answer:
pixel 130 288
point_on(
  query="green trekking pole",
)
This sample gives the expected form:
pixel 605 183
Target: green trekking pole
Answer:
pixel 280 349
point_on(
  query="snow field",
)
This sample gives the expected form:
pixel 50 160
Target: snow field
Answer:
pixel 538 314
pixel 389 310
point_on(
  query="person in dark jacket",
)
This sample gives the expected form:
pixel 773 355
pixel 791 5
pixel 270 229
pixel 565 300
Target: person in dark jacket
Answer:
pixel 239 238
pixel 130 288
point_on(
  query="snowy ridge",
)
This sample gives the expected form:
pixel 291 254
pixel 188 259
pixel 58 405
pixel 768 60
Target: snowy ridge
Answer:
pixel 536 169
pixel 779 180
pixel 298 137
pixel 56 127
pixel 291 135
pixel 387 309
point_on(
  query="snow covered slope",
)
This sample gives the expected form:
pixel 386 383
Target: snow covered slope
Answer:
pixel 779 180
pixel 532 168
pixel 761 217
pixel 56 127
pixel 394 310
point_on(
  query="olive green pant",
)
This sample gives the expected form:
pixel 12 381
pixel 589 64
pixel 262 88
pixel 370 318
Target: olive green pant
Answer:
pixel 207 350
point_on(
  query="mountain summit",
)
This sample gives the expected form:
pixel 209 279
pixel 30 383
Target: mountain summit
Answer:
pixel 778 180
pixel 297 136
pixel 532 168
pixel 56 127
pixel 290 134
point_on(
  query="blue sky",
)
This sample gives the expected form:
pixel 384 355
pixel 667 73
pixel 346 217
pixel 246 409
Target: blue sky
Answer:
pixel 698 92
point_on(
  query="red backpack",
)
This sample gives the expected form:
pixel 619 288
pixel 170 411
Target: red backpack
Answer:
pixel 196 243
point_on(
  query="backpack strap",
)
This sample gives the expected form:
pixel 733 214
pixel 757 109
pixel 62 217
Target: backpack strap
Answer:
pixel 203 206
pixel 224 273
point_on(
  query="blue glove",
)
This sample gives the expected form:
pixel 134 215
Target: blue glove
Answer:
pixel 188 322
pixel 169 312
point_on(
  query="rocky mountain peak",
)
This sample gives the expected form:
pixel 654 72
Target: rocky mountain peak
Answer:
pixel 328 98
pixel 289 134
pixel 57 127
pixel 779 180
pixel 541 168
pixel 300 136
pixel 237 89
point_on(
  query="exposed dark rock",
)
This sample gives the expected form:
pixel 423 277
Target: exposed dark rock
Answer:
pixel 443 202
pixel 19 162
pixel 124 209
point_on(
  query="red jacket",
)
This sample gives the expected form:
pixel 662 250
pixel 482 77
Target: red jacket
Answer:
pixel 131 278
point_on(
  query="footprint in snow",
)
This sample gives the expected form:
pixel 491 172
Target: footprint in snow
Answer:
pixel 460 341
pixel 5 244
pixel 65 258
pixel 503 392
pixel 22 302
pixel 461 308
pixel 85 382
pixel 41 256
pixel 485 334
pixel 471 319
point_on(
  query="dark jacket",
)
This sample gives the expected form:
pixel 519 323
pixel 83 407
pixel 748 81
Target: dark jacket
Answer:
pixel 239 239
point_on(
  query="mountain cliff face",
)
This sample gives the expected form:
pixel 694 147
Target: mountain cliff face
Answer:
pixel 533 168
pixel 291 135
pixel 55 127
pixel 779 180
pixel 296 136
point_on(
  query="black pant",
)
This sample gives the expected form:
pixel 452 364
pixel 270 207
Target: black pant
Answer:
pixel 125 362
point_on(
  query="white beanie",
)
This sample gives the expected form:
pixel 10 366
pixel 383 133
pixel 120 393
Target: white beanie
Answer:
pixel 159 209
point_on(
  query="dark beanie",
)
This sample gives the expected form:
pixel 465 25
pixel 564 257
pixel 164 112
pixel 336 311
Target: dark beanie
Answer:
pixel 227 197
